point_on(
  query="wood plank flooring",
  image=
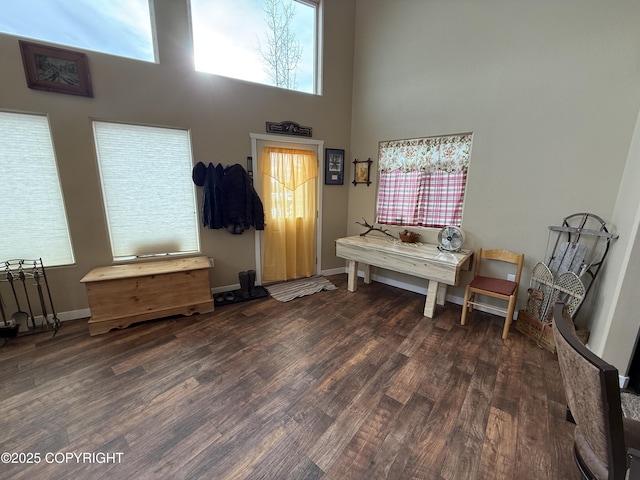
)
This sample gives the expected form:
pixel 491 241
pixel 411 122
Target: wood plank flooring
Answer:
pixel 336 385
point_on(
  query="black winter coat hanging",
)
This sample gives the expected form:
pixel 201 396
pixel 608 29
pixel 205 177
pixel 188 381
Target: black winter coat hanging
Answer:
pixel 228 198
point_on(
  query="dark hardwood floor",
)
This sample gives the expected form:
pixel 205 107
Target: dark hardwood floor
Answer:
pixel 336 385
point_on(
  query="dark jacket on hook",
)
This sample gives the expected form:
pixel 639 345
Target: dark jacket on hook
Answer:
pixel 228 198
pixel 210 179
pixel 242 207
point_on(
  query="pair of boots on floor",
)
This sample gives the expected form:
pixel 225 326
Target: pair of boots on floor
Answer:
pixel 247 283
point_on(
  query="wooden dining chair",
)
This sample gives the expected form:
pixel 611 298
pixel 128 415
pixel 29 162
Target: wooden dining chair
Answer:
pixel 488 286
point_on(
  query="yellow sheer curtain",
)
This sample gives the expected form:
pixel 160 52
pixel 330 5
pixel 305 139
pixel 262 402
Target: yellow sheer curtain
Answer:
pixel 289 197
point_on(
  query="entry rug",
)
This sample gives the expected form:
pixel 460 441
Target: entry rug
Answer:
pixel 299 288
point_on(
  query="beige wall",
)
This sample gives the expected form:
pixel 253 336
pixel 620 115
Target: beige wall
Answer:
pixel 615 335
pixel 551 91
pixel 220 112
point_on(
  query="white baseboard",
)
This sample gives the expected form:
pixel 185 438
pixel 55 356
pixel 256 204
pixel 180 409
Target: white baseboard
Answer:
pixel 333 271
pixel 70 315
pixel 624 381
pixel 236 286
pixel 226 288
pixel 62 316
pixel 74 314
pixel 86 313
pixel 412 287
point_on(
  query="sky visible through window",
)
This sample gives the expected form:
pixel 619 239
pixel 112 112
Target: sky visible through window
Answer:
pixel 118 27
pixel 227 33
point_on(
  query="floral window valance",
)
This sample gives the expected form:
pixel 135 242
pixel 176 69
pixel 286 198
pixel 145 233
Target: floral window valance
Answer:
pixel 430 154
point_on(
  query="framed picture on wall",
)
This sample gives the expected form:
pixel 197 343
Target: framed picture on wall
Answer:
pixel 362 171
pixel 333 166
pixel 56 69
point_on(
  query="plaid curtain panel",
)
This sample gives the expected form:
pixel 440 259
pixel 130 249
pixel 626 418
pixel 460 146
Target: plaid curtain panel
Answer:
pixel 418 198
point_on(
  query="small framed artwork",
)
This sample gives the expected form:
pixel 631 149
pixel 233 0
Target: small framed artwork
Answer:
pixel 56 69
pixel 333 166
pixel 361 171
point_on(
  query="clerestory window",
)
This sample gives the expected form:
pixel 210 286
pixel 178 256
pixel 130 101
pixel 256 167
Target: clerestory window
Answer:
pixel 272 42
pixel 117 27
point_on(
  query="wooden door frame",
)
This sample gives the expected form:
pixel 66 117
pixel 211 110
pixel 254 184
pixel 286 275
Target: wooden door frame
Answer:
pixel 293 141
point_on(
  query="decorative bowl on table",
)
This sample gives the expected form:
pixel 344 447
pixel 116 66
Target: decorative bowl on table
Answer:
pixel 409 237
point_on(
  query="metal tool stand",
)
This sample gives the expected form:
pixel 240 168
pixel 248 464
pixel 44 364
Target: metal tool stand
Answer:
pixel 24 283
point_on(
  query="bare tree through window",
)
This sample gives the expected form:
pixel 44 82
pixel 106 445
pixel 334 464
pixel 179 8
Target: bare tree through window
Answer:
pixel 282 52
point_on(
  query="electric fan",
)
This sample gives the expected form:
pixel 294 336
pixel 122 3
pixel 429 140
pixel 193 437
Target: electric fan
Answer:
pixel 450 239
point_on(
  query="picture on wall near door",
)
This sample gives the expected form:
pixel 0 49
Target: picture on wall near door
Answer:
pixel 361 171
pixel 333 166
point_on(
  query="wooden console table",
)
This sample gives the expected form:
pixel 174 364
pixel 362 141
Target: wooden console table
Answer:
pixel 418 260
pixel 120 295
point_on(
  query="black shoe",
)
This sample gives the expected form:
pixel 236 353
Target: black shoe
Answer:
pixel 253 291
pixel 243 277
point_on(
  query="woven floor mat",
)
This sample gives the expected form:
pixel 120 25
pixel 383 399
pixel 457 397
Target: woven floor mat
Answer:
pixel 287 291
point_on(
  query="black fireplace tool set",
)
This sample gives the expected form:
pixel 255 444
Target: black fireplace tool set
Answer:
pixel 23 280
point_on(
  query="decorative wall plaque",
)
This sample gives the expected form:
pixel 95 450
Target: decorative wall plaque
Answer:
pixel 288 128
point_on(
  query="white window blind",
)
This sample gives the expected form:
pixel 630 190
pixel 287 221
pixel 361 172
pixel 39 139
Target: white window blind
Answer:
pixel 148 193
pixel 33 219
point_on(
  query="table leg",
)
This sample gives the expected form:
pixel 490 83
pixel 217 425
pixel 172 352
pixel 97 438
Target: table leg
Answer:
pixel 430 302
pixel 442 293
pixel 367 274
pixel 352 280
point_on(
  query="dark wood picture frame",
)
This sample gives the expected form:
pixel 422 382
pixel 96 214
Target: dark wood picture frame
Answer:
pixel 56 69
pixel 362 171
pixel 333 166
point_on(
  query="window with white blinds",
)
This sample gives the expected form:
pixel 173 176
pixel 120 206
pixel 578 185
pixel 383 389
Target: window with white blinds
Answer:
pixel 32 217
pixel 149 196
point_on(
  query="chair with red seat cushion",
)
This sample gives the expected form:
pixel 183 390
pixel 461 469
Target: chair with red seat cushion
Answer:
pixel 494 287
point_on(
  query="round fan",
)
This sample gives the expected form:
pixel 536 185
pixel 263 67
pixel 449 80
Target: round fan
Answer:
pixel 450 239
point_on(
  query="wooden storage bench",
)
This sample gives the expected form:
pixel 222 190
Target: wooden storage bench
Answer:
pixel 120 295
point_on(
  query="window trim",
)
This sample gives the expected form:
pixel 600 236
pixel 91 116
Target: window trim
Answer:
pixel 425 158
pixel 316 60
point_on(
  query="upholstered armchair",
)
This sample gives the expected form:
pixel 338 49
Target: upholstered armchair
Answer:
pixel 605 443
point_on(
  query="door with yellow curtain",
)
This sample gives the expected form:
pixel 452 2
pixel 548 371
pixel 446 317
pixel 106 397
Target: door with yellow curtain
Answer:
pixel 289 183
